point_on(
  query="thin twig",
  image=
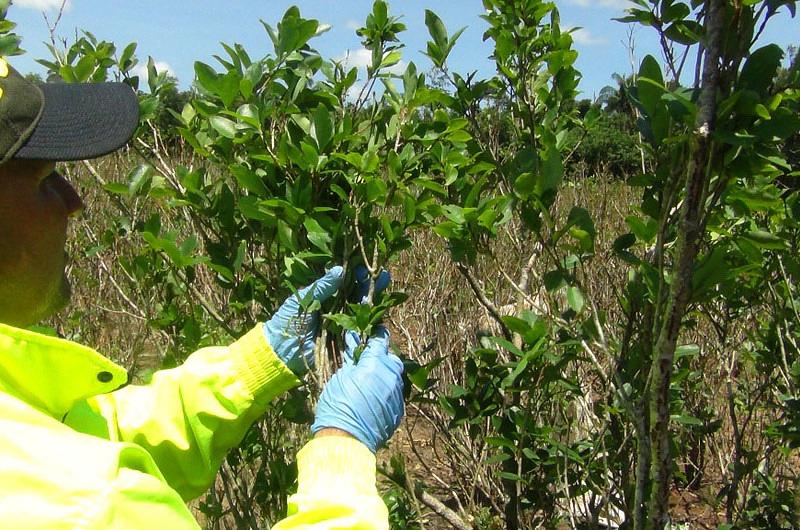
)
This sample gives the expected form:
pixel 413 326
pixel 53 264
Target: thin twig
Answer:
pixel 485 302
pixel 52 27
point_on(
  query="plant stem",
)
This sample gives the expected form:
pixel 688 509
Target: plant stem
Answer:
pixel 689 236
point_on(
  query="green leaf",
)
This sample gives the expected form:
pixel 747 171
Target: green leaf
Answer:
pixel 761 111
pixel 317 236
pixel 524 185
pixel 552 171
pixel 286 236
pixel 650 84
pixel 760 68
pixel 126 60
pixel 677 11
pixel 503 343
pixel 686 32
pixel 346 322
pixel 84 69
pixel 9 45
pixel 516 325
pixel 322 130
pixel 553 280
pixel 252 76
pixel 296 407
pixel 139 180
pixel 418 375
pixel 248 114
pixel 436 28
pixel 248 179
pixel 581 218
pixel 370 162
pixel 765 240
pixel 311 158
pixel 293 32
pixel 644 230
pixel 391 59
pixel 496 441
pixel 621 246
pixel 206 77
pixel 710 272
pixel 575 298
pixel 223 126
pixel 117 188
pixel 228 87
pixel 684 419
pixel 376 191
pixel 687 350
pixel 148 105
pixel 447 229
pixel 643 17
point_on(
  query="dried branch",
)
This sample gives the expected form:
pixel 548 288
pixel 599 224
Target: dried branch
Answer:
pixel 51 27
pixel 443 511
pixel 484 301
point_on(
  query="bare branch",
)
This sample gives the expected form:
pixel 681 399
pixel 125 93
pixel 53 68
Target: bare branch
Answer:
pixel 485 302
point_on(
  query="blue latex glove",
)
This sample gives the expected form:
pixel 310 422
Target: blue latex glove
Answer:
pixel 364 399
pixel 291 331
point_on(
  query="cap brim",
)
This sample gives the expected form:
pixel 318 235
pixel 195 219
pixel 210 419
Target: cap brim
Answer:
pixel 81 121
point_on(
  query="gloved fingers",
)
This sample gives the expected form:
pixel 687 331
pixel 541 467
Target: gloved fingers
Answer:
pixel 395 364
pixel 378 343
pixel 351 342
pixel 363 281
pixel 324 287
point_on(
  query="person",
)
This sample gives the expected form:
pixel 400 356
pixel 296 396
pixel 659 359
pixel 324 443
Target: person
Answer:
pixel 79 448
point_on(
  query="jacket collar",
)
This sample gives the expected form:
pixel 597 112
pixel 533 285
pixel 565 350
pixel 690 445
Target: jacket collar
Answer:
pixel 53 374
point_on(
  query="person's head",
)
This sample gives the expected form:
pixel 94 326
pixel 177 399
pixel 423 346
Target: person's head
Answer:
pixel 39 126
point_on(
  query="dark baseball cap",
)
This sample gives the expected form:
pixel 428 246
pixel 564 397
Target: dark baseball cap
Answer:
pixel 61 121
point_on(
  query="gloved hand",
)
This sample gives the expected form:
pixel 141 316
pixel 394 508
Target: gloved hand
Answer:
pixel 291 331
pixel 364 399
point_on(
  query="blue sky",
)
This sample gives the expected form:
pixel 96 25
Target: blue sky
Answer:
pixel 178 33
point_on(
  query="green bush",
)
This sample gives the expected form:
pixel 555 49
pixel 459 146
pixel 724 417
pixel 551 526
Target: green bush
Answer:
pixel 609 146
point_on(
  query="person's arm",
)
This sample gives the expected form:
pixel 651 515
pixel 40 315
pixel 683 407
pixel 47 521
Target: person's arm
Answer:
pixel 189 417
pixel 360 408
pixel 336 488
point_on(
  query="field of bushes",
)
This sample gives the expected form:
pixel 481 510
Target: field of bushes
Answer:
pixel 596 300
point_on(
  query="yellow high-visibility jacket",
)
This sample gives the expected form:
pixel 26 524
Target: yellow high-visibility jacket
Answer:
pixel 80 451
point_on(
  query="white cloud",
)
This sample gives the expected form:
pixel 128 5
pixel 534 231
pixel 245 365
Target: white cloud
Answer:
pixel 611 4
pixel 362 58
pixel 353 24
pixel 584 36
pixel 141 70
pixel 43 5
pixel 354 91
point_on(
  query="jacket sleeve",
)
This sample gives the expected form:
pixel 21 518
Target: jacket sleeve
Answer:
pixel 188 417
pixel 336 488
